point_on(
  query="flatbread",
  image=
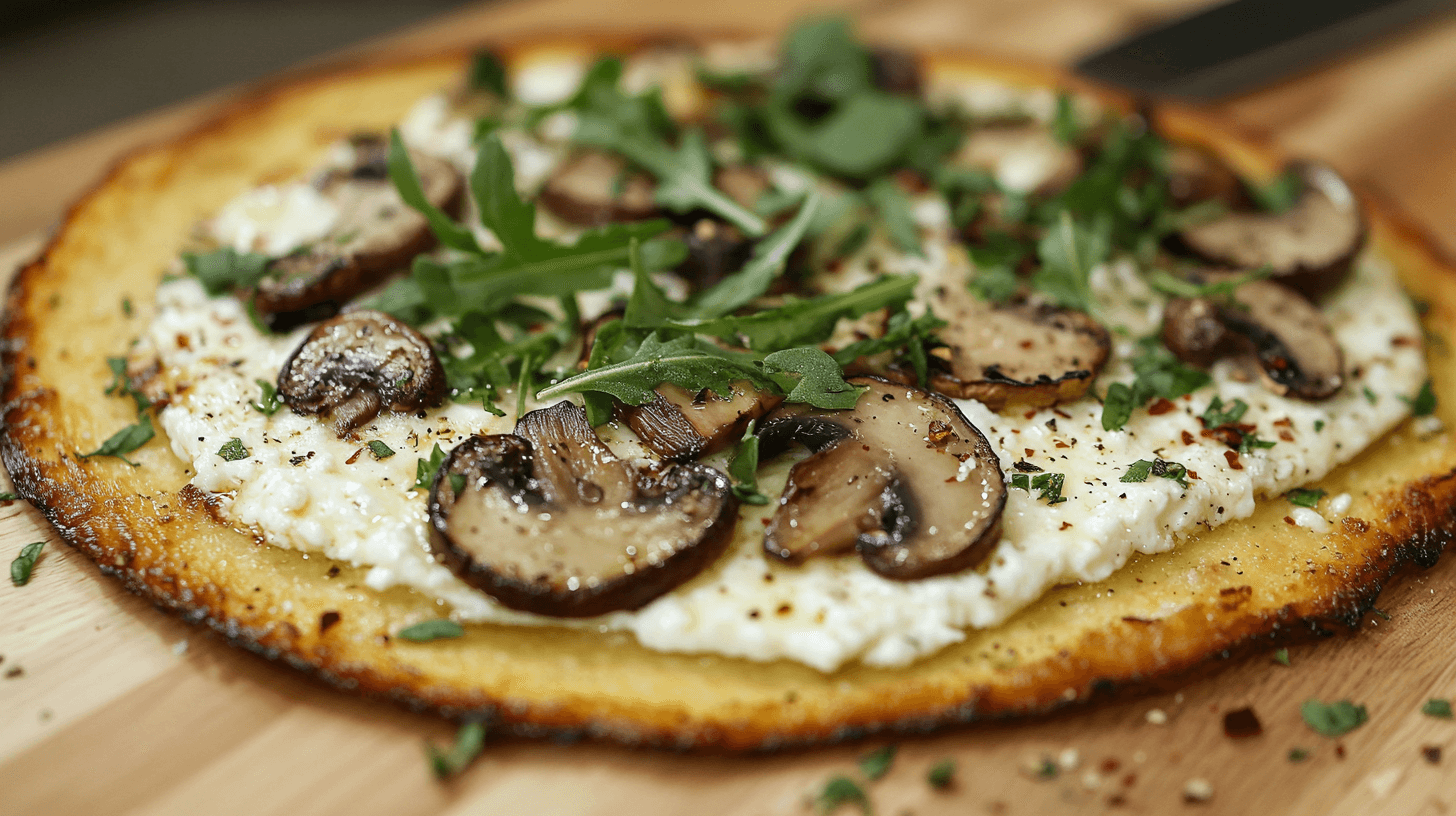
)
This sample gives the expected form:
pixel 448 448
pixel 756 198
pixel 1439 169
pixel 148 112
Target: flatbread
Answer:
pixel 1246 584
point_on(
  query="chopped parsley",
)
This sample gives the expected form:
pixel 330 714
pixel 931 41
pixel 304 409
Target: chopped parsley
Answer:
pixel 425 469
pixel 457 483
pixel 233 450
pixel 24 562
pixel 380 450
pixel 941 774
pixel 469 742
pixel 877 763
pixel 121 384
pixel 223 270
pixel 437 629
pixel 126 307
pixel 124 441
pixel 1370 396
pixel 270 401
pixel 1280 194
pixel 1281 656
pixel 1047 485
pixel 1333 719
pixel 1140 470
pixel 1424 403
pixel 1216 416
pixel 841 790
pixel 744 469
pixel 1437 707
pixel 1221 290
pixel 1319 425
pixel 6 496
pixel 1305 496
pixel 1159 374
pixel 1250 441
pixel 1298 754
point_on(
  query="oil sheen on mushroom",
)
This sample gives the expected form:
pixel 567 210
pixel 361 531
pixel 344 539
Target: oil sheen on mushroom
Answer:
pixel 548 520
pixel 351 367
pixel 375 234
pixel 903 477
pixel 681 425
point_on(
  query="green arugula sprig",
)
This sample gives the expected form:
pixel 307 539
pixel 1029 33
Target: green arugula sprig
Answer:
pixel 744 468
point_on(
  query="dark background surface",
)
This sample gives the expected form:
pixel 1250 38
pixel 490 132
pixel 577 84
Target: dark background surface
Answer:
pixel 70 67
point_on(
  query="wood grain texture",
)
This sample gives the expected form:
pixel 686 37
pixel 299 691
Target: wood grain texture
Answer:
pixel 113 714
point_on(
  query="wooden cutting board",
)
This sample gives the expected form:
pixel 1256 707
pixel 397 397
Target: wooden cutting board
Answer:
pixel 109 706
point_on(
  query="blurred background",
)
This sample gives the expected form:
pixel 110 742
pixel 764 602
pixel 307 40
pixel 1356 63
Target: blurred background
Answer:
pixel 74 66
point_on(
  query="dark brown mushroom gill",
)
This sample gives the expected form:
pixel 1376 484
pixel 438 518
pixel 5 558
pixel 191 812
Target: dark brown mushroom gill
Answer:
pixel 681 425
pixel 548 520
pixel 903 477
pixel 1267 324
pixel 1310 247
pixel 375 234
pixel 354 365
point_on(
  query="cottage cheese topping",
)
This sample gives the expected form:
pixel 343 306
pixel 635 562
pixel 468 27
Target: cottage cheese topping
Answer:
pixel 305 489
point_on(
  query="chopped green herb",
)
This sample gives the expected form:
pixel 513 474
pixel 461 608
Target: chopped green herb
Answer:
pixel 1047 769
pixel 1298 754
pixel 487 73
pixel 744 469
pixel 1251 441
pixel 1319 425
pixel 124 441
pixel 226 269
pixel 1159 374
pixel 896 215
pixel 1140 470
pixel 941 774
pixel 1280 194
pixel 233 450
pixel 1379 613
pixel 1222 290
pixel 270 401
pixel 8 496
pixel 425 469
pixel 1065 124
pixel 380 450
pixel 1048 485
pixel 1333 719
pixel 1370 396
pixel 121 384
pixel 1068 252
pixel 841 790
pixel 1215 416
pixel 1281 656
pixel 21 567
pixel 469 742
pixel 437 629
pixel 1305 496
pixel 877 763
pixel 126 307
pixel 457 483
pixel 1437 707
pixel 902 331
pixel 1424 403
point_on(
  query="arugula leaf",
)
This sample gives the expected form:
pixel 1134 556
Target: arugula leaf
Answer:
pixel 941 774
pixel 124 441
pixel 487 73
pixel 1424 403
pixel 223 270
pixel 469 742
pixel 769 257
pixel 690 362
pixel 233 450
pixel 996 259
pixel 1065 124
pixel 269 403
pixel 896 215
pixel 877 763
pixel 1305 497
pixel 437 629
pixel 841 790
pixel 820 379
pixel 1333 719
pixel 407 182
pixel 902 331
pixel 1067 253
pixel 612 344
pixel 24 563
pixel 502 211
pixel 425 469
pixel 744 469
pixel 380 450
pixel 800 322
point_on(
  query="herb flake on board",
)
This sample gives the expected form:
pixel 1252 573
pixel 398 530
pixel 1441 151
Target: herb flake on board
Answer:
pixel 469 742
pixel 24 563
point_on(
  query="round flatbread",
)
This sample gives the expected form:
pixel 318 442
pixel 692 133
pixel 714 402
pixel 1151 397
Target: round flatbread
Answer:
pixel 1250 583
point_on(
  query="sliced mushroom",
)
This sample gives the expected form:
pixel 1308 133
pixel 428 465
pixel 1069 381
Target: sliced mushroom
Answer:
pixel 593 188
pixel 715 250
pixel 1196 175
pixel 903 477
pixel 681 425
pixel 1023 158
pixel 375 234
pixel 351 367
pixel 1310 247
pixel 896 71
pixel 548 520
pixel 1267 323
pixel 1020 354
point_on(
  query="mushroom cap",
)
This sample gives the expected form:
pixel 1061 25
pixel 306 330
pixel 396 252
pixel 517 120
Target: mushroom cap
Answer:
pixel 1310 246
pixel 548 520
pixel 903 477
pixel 375 234
pixel 680 425
pixel 357 363
pixel 593 188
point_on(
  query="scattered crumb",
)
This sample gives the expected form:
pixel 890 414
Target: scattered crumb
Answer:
pixel 1242 723
pixel 1178 698
pixel 1157 716
pixel 1197 790
pixel 1381 784
pixel 1432 753
pixel 1091 780
pixel 180 647
pixel 1110 765
pixel 13 671
pixel 1069 759
pixel 1116 800
pixel 46 714
pixel 1039 766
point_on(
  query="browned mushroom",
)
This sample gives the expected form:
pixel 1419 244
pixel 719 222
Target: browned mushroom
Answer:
pixel 547 520
pixel 716 250
pixel 375 234
pixel 1310 246
pixel 1196 175
pixel 895 71
pixel 1267 323
pixel 681 425
pixel 358 363
pixel 1020 354
pixel 1023 158
pixel 903 477
pixel 593 188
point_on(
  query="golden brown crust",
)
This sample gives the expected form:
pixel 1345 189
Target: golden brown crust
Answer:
pixel 160 537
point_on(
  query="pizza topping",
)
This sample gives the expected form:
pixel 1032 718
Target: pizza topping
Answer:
pixel 680 425
pixel 374 234
pixel 1266 322
pixel 548 520
pixel 358 363
pixel 903 477
pixel 1022 157
pixel 593 188
pixel 1310 246
pixel 715 251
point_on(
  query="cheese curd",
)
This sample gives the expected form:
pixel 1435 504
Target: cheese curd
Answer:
pixel 303 488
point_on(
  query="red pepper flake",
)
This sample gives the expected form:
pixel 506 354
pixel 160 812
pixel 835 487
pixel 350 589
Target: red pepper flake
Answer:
pixel 1029 414
pixel 1110 765
pixel 1291 522
pixel 1030 451
pixel 1065 525
pixel 1340 750
pixel 1188 438
pixel 1129 780
pixel 353 458
pixel 1432 753
pixel 1162 406
pixel 1402 340
pixel 1233 460
pixel 328 620
pixel 1286 436
pixel 1193 474
pixel 1242 723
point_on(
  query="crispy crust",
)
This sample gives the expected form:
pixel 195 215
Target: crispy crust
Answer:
pixel 1243 585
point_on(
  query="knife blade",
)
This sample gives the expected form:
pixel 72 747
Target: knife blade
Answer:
pixel 1239 45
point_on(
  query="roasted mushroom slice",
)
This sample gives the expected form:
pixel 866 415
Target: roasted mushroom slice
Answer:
pixel 375 234
pixel 716 249
pixel 593 188
pixel 1267 322
pixel 903 477
pixel 1310 246
pixel 1195 175
pixel 895 71
pixel 681 425
pixel 358 363
pixel 547 520
pixel 1020 354
pixel 1023 158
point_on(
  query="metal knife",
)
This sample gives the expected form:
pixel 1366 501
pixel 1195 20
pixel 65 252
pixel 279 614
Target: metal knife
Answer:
pixel 1239 45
